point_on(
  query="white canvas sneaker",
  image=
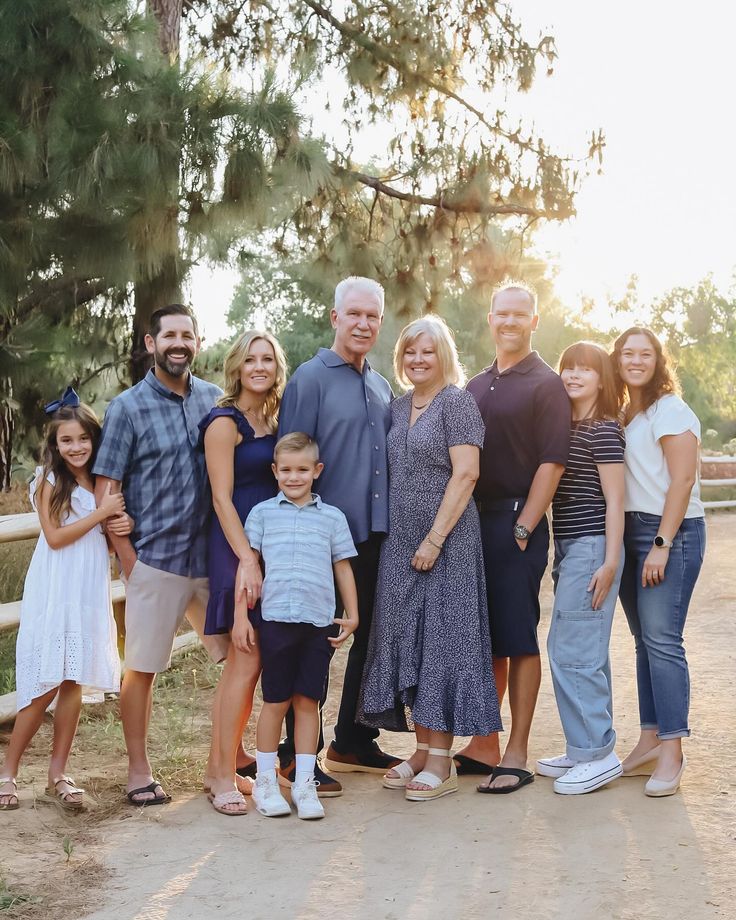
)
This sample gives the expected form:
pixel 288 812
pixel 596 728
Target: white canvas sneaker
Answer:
pixel 304 796
pixel 554 766
pixel 268 800
pixel 589 775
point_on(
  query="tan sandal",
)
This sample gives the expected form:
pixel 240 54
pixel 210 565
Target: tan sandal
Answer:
pixel 62 796
pixel 231 797
pixel 405 771
pixel 437 786
pixel 9 806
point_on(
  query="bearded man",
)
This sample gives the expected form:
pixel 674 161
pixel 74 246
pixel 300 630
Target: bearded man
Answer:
pixel 149 449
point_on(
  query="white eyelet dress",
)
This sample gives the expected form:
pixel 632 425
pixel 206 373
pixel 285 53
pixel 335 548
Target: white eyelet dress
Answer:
pixel 67 631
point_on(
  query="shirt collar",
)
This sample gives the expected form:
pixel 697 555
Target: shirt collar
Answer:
pixel 153 382
pixel 331 358
pixel 315 500
pixel 523 367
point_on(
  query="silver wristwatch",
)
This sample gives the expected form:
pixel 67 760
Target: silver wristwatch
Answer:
pixel 521 532
pixel 659 540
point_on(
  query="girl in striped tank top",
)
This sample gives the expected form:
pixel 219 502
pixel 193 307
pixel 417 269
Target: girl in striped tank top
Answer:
pixel 588 523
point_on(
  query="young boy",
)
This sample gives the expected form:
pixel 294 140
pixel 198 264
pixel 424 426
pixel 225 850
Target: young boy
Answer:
pixel 302 541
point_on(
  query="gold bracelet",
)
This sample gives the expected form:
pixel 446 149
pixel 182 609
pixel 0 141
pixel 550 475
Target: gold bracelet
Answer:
pixel 432 543
pixel 443 535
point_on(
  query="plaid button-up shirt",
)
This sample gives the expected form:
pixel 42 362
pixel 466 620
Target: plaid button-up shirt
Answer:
pixel 149 443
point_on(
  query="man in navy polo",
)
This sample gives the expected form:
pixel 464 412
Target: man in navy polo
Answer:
pixel 527 417
pixel 344 405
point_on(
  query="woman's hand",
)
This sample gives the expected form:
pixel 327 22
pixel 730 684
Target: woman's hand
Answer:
pixel 243 635
pixel 425 556
pixel 249 580
pixel 654 565
pixel 600 584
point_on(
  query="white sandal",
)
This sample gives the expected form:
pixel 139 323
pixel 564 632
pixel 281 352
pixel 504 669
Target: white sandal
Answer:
pixel 437 786
pixel 405 771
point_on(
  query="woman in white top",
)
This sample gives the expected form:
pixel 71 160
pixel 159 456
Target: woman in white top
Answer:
pixel 664 541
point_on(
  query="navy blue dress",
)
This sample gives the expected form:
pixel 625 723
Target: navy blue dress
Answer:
pixel 253 482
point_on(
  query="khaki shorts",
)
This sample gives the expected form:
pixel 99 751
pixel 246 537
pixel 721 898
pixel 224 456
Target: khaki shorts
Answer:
pixel 156 603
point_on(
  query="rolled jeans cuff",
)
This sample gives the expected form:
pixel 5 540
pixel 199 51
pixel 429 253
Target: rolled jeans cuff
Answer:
pixel 670 736
pixel 584 755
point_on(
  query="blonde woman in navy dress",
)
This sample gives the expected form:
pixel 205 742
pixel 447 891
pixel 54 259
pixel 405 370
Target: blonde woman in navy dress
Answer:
pixel 429 661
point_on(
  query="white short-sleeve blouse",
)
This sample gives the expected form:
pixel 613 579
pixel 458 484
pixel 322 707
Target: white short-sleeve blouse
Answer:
pixel 646 473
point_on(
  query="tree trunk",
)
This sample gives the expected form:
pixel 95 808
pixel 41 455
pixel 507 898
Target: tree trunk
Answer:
pixel 7 429
pixel 164 287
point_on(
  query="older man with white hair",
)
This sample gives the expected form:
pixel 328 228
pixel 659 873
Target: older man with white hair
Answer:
pixel 339 400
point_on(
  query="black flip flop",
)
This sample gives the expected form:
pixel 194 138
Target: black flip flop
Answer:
pixel 144 803
pixel 524 777
pixel 248 772
pixel 468 766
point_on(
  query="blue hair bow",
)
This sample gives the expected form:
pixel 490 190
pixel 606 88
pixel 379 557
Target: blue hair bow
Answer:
pixel 68 398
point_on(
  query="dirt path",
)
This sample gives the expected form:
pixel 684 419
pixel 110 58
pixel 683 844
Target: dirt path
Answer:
pixel 612 854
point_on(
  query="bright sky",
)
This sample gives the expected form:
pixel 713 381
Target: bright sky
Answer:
pixel 657 77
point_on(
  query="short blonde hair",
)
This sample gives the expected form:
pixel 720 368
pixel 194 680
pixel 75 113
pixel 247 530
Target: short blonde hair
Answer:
pixel 294 443
pixel 234 360
pixel 444 341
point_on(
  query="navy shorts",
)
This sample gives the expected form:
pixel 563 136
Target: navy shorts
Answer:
pixel 295 658
pixel 513 580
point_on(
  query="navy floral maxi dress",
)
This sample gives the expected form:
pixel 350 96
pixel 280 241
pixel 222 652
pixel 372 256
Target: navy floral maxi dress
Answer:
pixel 429 656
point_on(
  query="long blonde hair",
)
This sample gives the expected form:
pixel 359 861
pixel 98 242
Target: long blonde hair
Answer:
pixel 234 360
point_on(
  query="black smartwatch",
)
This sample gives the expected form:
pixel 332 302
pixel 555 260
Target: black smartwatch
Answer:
pixel 521 532
pixel 659 540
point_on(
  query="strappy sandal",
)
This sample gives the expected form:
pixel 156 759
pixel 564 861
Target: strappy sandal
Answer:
pixel 405 771
pixel 62 796
pixel 9 806
pixel 231 797
pixel 437 786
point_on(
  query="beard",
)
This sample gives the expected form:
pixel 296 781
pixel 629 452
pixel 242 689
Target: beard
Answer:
pixel 178 369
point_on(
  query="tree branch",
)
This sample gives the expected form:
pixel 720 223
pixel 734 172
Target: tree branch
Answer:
pixel 456 205
pixel 59 294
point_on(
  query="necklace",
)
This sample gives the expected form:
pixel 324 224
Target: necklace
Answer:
pixel 423 405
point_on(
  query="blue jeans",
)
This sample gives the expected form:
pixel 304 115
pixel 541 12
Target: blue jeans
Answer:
pixel 577 645
pixel 656 618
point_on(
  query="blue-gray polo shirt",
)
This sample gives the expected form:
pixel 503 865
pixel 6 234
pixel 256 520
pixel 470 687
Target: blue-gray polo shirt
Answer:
pixel 348 414
pixel 149 443
pixel 527 415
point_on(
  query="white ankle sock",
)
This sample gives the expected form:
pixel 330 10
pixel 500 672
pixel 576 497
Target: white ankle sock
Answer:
pixel 266 763
pixel 305 764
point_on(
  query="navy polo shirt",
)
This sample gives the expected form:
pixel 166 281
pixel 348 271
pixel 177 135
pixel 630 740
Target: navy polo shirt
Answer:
pixel 348 414
pixel 527 416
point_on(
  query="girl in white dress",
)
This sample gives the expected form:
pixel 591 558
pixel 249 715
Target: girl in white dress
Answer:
pixel 67 634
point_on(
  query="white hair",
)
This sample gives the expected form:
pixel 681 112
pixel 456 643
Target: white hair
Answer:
pixel 368 285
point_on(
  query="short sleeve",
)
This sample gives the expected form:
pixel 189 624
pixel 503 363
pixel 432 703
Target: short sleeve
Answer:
pixel 670 415
pixel 461 418
pixel 36 482
pixel 552 420
pixel 608 443
pixel 116 444
pixel 254 528
pixel 341 540
pixel 231 412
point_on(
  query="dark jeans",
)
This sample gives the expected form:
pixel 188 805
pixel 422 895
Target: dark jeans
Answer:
pixel 350 736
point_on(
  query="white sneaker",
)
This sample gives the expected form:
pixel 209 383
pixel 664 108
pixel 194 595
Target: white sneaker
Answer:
pixel 268 800
pixel 589 775
pixel 304 796
pixel 554 766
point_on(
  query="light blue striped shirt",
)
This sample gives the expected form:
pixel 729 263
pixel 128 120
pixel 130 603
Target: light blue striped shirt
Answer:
pixel 299 545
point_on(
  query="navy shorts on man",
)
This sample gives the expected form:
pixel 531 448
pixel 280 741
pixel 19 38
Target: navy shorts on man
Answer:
pixel 513 579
